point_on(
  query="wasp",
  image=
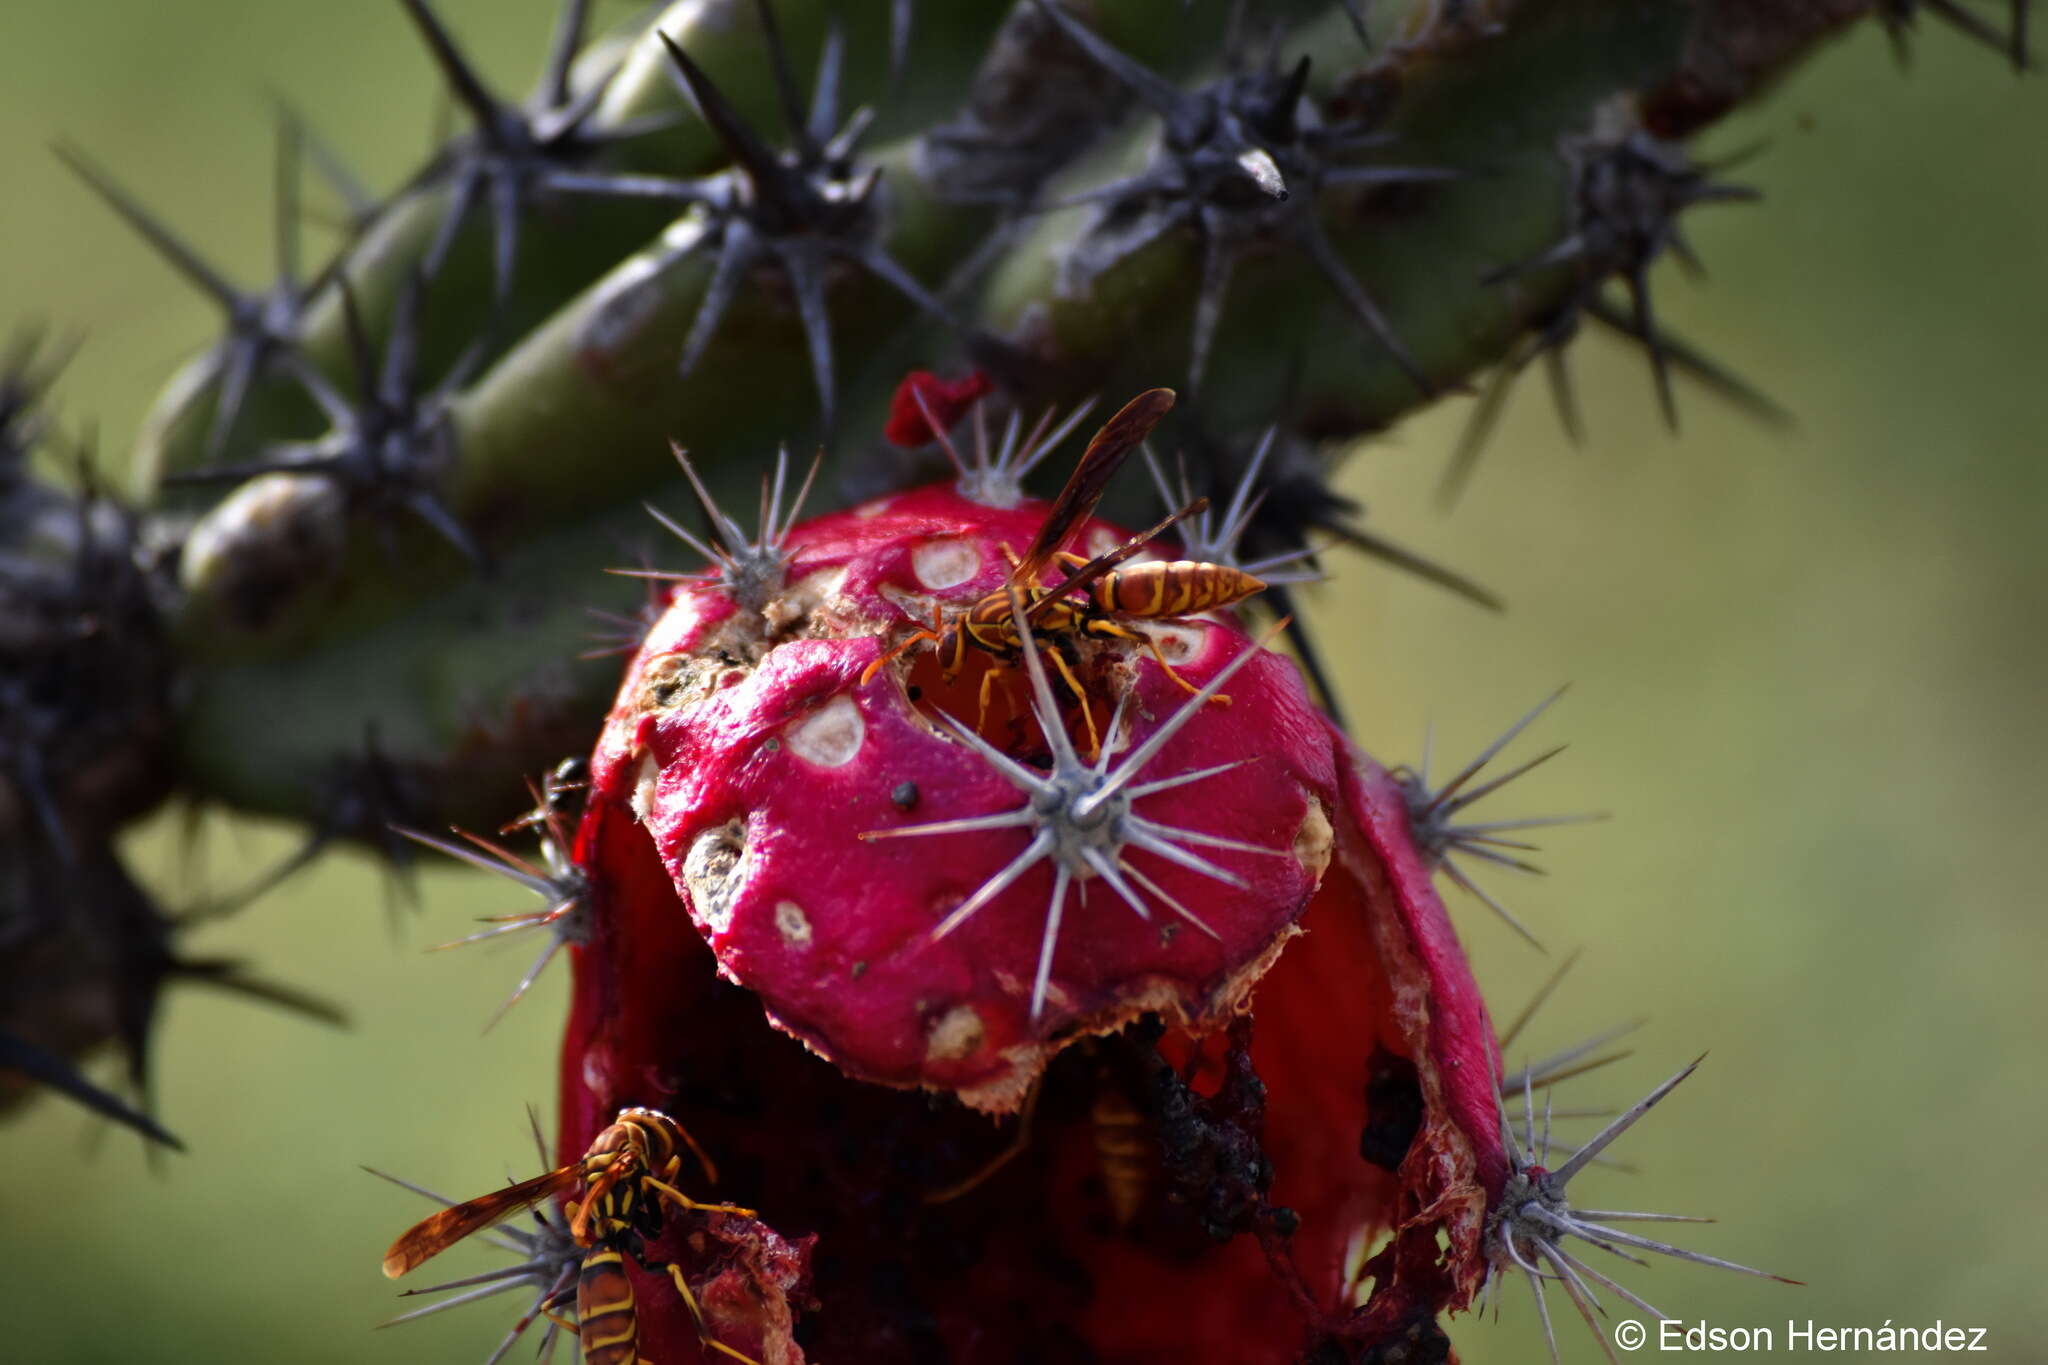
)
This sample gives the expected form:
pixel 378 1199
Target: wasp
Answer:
pixel 628 1181
pixel 1098 595
pixel 1126 1151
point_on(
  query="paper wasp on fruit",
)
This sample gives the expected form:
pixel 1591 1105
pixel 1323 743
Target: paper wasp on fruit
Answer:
pixel 628 1178
pixel 1098 595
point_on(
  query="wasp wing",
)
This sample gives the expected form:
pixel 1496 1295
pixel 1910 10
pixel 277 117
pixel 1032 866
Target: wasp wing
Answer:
pixel 1118 437
pixel 437 1232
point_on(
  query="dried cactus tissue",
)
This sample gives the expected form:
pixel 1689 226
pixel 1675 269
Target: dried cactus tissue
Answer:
pixel 903 560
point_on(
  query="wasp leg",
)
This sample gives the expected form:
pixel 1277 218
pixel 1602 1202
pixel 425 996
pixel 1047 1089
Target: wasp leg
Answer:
pixel 1010 1153
pixel 683 1201
pixel 1066 672
pixel 675 1272
pixel 703 1157
pixel 915 638
pixel 1117 632
pixel 998 675
pixel 1221 699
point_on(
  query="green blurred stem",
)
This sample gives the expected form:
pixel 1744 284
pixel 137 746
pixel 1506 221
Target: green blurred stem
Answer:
pixel 471 679
pixel 566 243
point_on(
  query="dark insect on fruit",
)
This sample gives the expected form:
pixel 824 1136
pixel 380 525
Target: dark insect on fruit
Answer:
pixel 1111 594
pixel 628 1178
pixel 1126 1152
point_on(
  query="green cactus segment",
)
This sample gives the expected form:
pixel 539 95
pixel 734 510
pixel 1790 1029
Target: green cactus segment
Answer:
pixel 1418 251
pixel 465 691
pixel 567 240
pixel 305 621
pixel 576 418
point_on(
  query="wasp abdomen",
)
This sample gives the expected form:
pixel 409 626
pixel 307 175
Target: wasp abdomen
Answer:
pixel 605 1318
pixel 1123 1152
pixel 1183 587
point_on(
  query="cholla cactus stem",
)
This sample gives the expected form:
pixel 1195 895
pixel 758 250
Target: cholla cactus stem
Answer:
pixel 801 211
pixel 514 153
pixel 1242 163
pixel 389 448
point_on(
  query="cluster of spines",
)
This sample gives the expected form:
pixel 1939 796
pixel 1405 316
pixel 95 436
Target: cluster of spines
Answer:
pixel 1240 167
pixel 559 880
pixel 1078 815
pixel 752 570
pixel 1443 836
pixel 85 683
pixel 1527 1230
pixel 1626 192
pixel 546 1259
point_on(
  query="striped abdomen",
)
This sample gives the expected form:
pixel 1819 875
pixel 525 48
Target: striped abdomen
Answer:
pixel 1184 587
pixel 605 1321
pixel 1123 1151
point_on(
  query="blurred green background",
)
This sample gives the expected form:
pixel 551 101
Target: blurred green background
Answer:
pixel 1807 675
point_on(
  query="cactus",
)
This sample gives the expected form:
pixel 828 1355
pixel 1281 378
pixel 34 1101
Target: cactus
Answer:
pixel 825 899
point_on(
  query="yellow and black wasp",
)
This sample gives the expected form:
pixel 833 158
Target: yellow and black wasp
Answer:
pixel 628 1180
pixel 1098 595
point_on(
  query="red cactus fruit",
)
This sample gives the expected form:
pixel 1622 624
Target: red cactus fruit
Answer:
pixel 1104 1018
